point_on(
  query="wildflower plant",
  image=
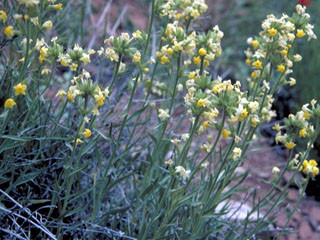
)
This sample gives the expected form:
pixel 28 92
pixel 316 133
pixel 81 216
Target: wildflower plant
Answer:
pixel 141 174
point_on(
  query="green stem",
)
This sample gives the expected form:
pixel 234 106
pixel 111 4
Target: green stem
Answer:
pixel 115 72
pixel 186 147
pixel 256 87
pixel 149 30
pixel 211 151
pixel 202 66
pixel 26 58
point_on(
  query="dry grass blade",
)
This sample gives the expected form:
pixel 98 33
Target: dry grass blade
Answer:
pixel 116 25
pixel 99 23
pixel 36 222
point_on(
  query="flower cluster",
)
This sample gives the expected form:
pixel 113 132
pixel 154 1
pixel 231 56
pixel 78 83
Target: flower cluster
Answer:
pixel 272 50
pixel 163 114
pixel 75 57
pixel 208 46
pixel 120 46
pixel 177 42
pixel 184 10
pixel 298 126
pixel 83 87
pixel 184 174
pixel 310 167
pixel 49 53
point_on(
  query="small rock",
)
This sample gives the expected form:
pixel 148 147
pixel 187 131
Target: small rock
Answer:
pixel 315 213
pixel 293 195
pixel 316 236
pixel 286 178
pixel 297 216
pixel 281 220
pixel 296 219
pixel 305 230
pixel 293 236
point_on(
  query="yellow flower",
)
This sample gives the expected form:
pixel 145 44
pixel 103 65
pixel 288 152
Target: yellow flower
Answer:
pixel 20 89
pixel 9 103
pixel 41 58
pixel 170 51
pixel 306 115
pixel 300 33
pixel 43 54
pixel 146 70
pixel 276 127
pixel 169 162
pixel 61 93
pixel 303 133
pixel 85 58
pixel 136 34
pixel 255 74
pixel 191 75
pixel 202 52
pixel 3 16
pixel 47 25
pixel 177 47
pixel 136 57
pixel 78 140
pixel 315 172
pixel 255 43
pixel 178 16
pixel 70 97
pixel 237 152
pixel 225 133
pixel 254 121
pixel 244 113
pixel 99 100
pixel 8 31
pixel 313 163
pixel 64 62
pixel 215 89
pixel 248 62
pixel 272 32
pixel 281 68
pixel 284 52
pixel 74 67
pixel 197 60
pixel 310 167
pixel 290 145
pixel 57 6
pixel 87 133
pixel 200 103
pixel 257 64
pixel 45 71
pixel 206 124
pixel 164 59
